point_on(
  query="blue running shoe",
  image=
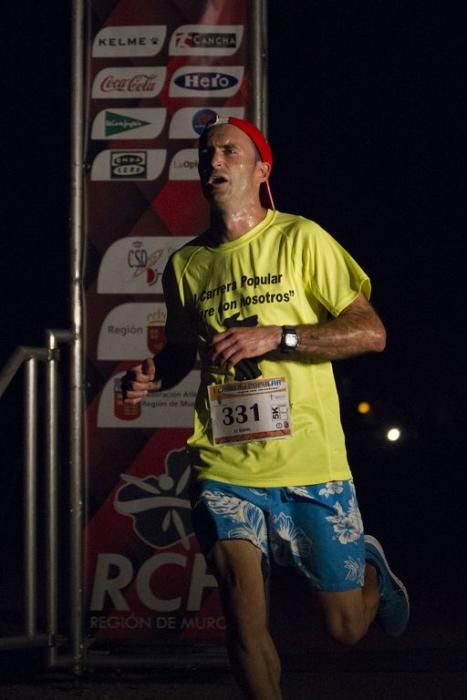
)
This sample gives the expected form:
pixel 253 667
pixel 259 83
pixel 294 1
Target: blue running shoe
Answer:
pixel 394 608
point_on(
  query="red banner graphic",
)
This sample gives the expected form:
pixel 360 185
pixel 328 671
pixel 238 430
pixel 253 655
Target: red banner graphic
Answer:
pixel 155 73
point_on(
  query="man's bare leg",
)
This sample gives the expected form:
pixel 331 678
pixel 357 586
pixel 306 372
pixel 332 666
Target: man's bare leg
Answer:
pixel 348 614
pixel 253 656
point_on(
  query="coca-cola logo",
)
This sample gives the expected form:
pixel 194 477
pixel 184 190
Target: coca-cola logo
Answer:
pixel 138 83
pixel 127 82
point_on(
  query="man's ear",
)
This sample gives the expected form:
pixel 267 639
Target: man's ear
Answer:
pixel 264 170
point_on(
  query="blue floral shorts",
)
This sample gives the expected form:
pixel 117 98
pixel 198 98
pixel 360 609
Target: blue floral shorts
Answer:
pixel 317 529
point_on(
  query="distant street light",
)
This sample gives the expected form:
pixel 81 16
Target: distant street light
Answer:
pixel 393 434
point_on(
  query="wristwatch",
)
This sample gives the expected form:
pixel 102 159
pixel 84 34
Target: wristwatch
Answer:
pixel 289 340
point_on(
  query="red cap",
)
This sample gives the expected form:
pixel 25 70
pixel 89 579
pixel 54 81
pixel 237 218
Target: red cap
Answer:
pixel 262 145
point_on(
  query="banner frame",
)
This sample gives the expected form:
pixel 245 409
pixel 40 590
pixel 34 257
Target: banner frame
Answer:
pixel 80 658
pixel 77 374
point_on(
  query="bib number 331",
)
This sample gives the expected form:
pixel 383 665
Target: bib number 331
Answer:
pixel 257 409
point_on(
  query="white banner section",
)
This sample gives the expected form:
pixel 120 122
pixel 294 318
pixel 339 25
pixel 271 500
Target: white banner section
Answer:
pixel 173 408
pixel 135 265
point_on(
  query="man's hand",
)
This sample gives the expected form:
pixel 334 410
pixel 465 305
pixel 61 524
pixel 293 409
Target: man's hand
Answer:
pixel 241 342
pixel 139 381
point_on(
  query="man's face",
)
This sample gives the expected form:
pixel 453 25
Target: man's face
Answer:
pixel 228 167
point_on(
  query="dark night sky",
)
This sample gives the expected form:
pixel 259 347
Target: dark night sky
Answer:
pixel 372 133
pixel 366 120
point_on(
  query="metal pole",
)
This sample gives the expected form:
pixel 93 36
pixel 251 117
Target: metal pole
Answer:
pixel 30 497
pixel 30 356
pixel 51 447
pixel 76 360
pixel 259 65
pixel 9 371
pixel 20 355
pixel 51 431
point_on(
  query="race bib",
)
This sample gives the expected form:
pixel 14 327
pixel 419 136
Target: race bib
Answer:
pixel 257 409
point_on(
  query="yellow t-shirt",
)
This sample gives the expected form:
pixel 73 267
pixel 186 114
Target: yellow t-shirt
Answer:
pixel 286 271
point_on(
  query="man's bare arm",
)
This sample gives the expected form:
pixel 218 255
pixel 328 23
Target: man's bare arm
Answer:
pixel 358 329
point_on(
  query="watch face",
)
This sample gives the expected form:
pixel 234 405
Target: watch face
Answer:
pixel 290 340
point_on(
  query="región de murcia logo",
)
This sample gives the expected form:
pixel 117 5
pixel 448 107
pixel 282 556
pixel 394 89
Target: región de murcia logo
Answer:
pixel 159 505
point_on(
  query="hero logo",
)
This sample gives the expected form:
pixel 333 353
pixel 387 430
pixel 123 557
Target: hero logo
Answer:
pixel 120 83
pixel 206 81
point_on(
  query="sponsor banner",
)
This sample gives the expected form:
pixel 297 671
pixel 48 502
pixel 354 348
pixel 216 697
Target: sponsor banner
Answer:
pixel 135 265
pixel 189 122
pixel 184 165
pixel 145 581
pixel 165 498
pixel 137 82
pixel 206 40
pixel 132 123
pixel 124 164
pixel 132 331
pixel 129 41
pixel 206 81
pixel 173 408
pixel 160 607
pixel 169 596
pixel 160 585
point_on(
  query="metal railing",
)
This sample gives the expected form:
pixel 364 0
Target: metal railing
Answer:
pixel 30 357
pixel 65 646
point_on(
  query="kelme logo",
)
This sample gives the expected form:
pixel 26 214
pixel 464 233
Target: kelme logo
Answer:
pixel 129 41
